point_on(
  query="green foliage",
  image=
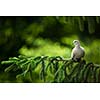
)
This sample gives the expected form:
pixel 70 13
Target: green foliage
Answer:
pixel 80 21
pixel 48 35
pixel 54 69
pixel 93 51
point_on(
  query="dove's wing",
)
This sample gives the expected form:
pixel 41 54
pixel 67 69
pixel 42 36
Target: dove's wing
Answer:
pixel 83 51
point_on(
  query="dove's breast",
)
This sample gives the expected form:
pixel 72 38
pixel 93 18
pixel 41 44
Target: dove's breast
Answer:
pixel 78 52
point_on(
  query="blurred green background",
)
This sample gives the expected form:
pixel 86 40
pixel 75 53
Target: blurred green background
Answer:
pixel 47 35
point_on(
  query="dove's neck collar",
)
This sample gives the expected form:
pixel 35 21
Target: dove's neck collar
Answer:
pixel 77 45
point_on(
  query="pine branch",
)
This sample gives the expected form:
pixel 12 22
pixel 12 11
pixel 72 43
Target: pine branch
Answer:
pixel 54 69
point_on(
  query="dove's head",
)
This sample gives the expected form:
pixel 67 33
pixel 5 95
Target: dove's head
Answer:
pixel 76 43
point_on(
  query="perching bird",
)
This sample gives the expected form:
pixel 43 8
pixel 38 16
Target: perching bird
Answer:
pixel 77 52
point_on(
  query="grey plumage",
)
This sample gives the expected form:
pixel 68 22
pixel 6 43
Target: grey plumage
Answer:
pixel 78 51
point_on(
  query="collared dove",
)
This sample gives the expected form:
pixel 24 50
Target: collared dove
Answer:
pixel 77 52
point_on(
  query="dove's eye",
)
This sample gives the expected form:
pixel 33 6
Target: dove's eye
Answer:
pixel 75 41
